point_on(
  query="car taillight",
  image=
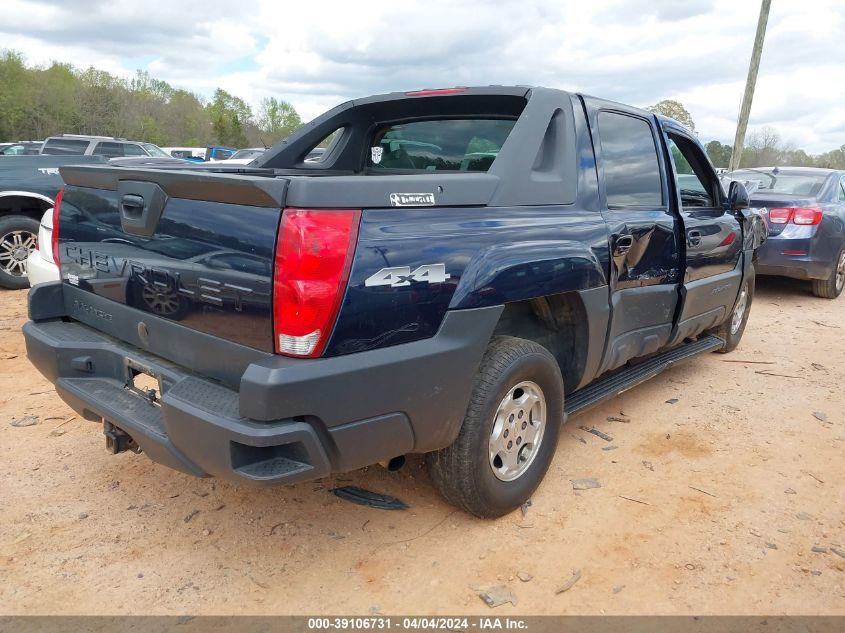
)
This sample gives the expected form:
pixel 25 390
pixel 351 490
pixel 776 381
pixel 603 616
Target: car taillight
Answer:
pixel 807 216
pixel 314 251
pixel 54 238
pixel 779 216
pixel 803 216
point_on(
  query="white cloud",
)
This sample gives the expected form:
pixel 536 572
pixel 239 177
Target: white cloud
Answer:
pixel 319 54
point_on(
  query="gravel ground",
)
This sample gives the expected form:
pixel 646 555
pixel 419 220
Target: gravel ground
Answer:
pixel 727 476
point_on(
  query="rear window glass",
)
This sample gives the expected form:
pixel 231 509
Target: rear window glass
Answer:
pixel 438 145
pixel 60 146
pixel 789 184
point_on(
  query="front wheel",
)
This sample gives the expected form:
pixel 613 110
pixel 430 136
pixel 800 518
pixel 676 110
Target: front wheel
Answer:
pixel 732 329
pixel 831 287
pixel 509 433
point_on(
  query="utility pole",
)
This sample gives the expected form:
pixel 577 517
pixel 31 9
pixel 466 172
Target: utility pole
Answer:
pixel 753 67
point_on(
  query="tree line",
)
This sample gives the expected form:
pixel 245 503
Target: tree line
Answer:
pixel 763 147
pixel 37 102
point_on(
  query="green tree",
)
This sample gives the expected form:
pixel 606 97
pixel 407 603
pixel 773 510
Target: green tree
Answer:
pixel 834 159
pixel 719 153
pixel 277 119
pixel 675 110
pixel 230 116
pixel 15 95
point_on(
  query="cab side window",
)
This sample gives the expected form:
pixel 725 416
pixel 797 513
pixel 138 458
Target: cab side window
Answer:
pixel 629 160
pixel 842 190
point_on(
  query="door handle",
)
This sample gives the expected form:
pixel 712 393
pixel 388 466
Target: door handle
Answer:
pixel 131 205
pixel 623 244
pixel 693 237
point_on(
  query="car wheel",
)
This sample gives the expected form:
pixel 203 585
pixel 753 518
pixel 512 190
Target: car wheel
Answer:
pixel 732 329
pixel 509 434
pixel 831 287
pixel 18 237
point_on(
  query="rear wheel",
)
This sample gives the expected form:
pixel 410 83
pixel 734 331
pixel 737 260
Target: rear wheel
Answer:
pixel 18 237
pixel 509 433
pixel 831 287
pixel 733 329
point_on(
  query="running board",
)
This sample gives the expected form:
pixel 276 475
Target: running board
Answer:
pixel 605 388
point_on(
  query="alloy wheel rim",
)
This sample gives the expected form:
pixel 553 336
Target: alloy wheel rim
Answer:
pixel 518 429
pixel 15 247
pixel 739 311
pixel 840 272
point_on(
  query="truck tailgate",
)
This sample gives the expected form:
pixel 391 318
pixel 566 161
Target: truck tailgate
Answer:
pixel 175 247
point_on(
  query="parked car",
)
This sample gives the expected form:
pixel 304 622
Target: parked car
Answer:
pixel 21 148
pixel 805 208
pixel 110 147
pixel 219 152
pixel 195 154
pixel 28 187
pixel 40 267
pixel 315 155
pixel 243 156
pixel 461 307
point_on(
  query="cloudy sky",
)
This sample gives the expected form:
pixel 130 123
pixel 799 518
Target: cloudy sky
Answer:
pixel 319 53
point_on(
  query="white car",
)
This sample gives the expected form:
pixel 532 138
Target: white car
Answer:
pixel 196 154
pixel 40 266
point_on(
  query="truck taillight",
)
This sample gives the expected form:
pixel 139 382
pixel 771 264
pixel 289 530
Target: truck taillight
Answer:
pixel 807 216
pixel 314 252
pixel 54 235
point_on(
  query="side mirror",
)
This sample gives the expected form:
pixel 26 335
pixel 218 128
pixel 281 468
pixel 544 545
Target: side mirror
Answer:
pixel 738 198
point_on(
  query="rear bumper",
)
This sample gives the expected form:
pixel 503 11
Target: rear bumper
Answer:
pixel 39 270
pixel 802 256
pixel 322 416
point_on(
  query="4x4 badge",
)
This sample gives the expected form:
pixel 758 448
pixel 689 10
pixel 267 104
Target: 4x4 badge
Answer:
pixel 402 276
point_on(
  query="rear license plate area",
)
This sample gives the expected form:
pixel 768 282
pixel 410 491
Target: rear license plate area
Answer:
pixel 144 382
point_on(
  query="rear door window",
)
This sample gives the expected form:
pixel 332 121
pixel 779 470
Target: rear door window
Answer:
pixel 65 146
pixel 629 159
pixel 438 145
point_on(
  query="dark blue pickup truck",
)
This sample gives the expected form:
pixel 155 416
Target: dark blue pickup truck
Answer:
pixel 459 271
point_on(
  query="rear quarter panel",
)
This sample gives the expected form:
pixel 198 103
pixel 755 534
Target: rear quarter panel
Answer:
pixel 492 256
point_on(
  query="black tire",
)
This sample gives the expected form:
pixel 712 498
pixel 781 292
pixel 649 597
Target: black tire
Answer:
pixel 18 235
pixel 831 287
pixel 464 472
pixel 732 330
